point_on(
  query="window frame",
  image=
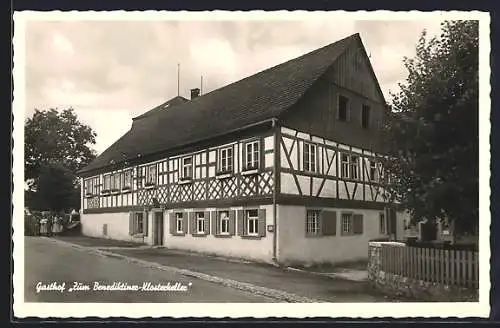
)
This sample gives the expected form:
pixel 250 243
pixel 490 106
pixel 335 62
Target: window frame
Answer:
pixel 106 183
pixel 254 163
pixel 139 217
pixel 179 218
pixel 254 219
pixel 345 172
pixel 354 164
pixel 200 218
pixel 154 181
pixel 220 221
pixel 310 160
pixel 126 175
pixel 185 177
pixel 349 216
pixel 229 160
pixel 373 171
pixel 313 219
pixel 347 108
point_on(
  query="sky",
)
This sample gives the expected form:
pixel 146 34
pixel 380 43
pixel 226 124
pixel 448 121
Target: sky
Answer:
pixel 111 71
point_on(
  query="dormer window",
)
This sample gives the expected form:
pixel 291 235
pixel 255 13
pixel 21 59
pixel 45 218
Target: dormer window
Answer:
pixel 343 108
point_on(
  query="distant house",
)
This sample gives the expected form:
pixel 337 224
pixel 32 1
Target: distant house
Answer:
pixel 283 165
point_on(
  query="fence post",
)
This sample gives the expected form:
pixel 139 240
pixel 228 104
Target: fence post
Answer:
pixel 433 261
pixel 470 280
pixel 476 269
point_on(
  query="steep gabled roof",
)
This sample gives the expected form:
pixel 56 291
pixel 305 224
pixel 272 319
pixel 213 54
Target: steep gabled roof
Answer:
pixel 256 98
pixel 166 105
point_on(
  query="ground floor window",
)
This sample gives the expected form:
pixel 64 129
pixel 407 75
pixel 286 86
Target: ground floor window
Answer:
pixel 137 224
pixel 200 222
pixel 252 222
pixel 346 223
pixel 312 223
pixel 179 222
pixel 224 222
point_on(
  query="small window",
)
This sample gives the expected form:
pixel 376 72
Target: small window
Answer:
pixel 151 175
pixel 373 171
pixel 354 166
pixel 312 223
pixel 309 157
pixel 226 160
pixel 107 182
pixel 187 168
pixel 252 155
pixel 200 223
pixel 343 107
pixel 139 222
pixel 345 166
pixel 126 178
pixel 382 226
pixel 365 116
pixel 179 222
pixel 224 222
pixel 252 223
pixel 346 223
pixel 95 184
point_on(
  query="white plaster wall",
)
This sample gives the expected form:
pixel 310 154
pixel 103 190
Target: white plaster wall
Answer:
pixel 294 246
pixel 235 246
pixel 118 226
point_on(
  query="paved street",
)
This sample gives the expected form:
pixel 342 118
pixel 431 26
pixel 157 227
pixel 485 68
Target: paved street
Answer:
pixel 47 263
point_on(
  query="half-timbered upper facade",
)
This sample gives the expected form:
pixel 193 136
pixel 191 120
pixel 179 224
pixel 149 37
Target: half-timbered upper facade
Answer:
pixel 301 137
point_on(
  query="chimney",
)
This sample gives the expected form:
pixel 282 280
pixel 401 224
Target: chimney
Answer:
pixel 195 93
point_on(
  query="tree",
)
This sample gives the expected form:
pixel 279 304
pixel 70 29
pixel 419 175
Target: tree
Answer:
pixel 57 145
pixel 432 133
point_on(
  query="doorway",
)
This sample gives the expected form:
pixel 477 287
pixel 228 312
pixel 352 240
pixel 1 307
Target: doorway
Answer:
pixel 158 229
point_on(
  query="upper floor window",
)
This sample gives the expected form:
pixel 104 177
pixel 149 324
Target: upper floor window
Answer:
pixel 343 108
pixel 89 186
pixel 115 182
pixel 95 185
pixel 365 116
pixel 373 171
pixel 187 168
pixel 309 157
pixel 252 155
pixel 349 166
pixel 226 159
pixel 107 182
pixel 151 175
pixel 354 166
pixel 126 178
pixel 344 170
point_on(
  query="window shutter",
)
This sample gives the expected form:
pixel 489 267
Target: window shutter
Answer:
pixel 262 222
pixel 232 222
pixel 244 155
pixel 131 223
pixel 207 222
pixel 328 222
pixel 217 160
pixel 184 223
pixel 192 223
pixel 241 222
pixel 173 227
pixel 215 226
pixel 393 220
pixel 145 220
pixel 357 224
pixel 262 165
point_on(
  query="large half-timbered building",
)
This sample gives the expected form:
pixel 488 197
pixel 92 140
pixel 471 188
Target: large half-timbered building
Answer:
pixel 281 166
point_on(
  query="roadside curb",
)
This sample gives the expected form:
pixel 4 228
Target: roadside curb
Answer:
pixel 257 290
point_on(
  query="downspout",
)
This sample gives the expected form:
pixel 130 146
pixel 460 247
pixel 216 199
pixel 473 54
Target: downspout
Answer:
pixel 275 187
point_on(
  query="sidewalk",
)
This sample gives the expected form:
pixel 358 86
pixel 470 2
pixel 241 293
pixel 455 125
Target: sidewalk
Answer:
pixel 301 283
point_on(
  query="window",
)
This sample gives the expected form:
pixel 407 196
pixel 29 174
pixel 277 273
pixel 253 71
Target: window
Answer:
pixel 346 223
pixel 345 166
pixel 107 182
pixel 252 223
pixel 139 222
pixel 126 178
pixel 95 185
pixel 309 157
pixel 252 155
pixel 382 224
pixel 373 171
pixel 226 160
pixel 343 108
pixel 200 222
pixel 151 175
pixel 187 168
pixel 140 176
pixel 88 185
pixel 224 222
pixel 178 222
pixel 354 166
pixel 365 116
pixel 312 223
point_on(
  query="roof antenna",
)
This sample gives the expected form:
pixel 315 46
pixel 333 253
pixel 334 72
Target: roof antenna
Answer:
pixel 201 85
pixel 178 78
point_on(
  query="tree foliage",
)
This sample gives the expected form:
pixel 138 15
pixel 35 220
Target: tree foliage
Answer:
pixel 432 135
pixel 56 146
